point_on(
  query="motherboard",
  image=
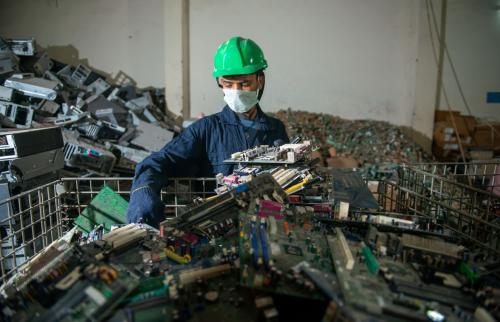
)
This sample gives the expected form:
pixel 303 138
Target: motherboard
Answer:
pixel 286 243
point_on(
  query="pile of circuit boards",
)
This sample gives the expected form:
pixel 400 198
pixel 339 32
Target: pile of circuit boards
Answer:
pixel 312 247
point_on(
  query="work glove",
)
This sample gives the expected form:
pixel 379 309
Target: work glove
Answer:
pixel 145 206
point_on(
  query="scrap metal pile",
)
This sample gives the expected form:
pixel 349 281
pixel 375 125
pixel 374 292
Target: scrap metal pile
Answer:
pixel 320 249
pixel 106 127
pixel 375 147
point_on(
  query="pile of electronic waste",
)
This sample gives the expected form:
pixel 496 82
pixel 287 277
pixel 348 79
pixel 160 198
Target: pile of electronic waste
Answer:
pixel 283 240
pixel 375 147
pixel 55 115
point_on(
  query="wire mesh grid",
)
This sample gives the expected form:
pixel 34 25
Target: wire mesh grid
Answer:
pixel 468 212
pixel 483 175
pixel 31 220
pixel 37 217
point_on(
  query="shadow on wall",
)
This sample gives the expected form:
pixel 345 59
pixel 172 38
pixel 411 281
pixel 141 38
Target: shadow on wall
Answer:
pixel 69 55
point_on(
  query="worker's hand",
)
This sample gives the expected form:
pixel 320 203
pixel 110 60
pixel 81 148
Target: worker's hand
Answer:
pixel 145 206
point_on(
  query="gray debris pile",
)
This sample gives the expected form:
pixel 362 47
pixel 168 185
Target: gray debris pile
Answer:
pixel 375 147
pixel 98 128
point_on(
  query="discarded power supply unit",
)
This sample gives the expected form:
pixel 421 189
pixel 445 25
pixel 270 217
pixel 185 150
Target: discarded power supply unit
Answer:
pixel 23 47
pixel 20 116
pixel 80 154
pixel 34 87
pixel 32 166
pixel 101 130
pixel 24 142
pixel 9 62
pixel 6 93
pixel 42 64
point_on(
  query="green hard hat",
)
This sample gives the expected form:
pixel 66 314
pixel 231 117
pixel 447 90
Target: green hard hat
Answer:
pixel 238 56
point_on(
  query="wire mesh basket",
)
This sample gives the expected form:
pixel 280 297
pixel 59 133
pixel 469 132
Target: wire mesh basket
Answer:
pixel 480 174
pixel 468 212
pixel 32 220
pixel 434 195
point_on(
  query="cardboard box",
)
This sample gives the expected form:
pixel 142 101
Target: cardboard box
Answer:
pixel 460 124
pixel 441 116
pixel 445 137
pixel 465 124
pixel 470 122
pixel 443 133
pixel 486 138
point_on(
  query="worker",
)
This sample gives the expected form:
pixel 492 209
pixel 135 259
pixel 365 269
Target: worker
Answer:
pixel 200 150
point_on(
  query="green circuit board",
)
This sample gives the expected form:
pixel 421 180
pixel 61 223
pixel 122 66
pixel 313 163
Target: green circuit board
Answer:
pixel 87 300
pixel 367 283
pixel 272 247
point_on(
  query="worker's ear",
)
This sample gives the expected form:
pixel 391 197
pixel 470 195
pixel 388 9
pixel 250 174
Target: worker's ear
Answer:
pixel 217 80
pixel 261 80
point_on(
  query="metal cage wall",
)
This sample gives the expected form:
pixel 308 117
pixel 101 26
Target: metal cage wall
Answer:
pixel 33 219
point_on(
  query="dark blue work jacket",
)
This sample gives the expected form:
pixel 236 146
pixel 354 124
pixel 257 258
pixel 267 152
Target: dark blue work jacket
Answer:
pixel 201 149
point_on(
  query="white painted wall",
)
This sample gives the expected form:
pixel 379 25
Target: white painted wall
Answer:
pixel 473 39
pixel 113 35
pixel 355 59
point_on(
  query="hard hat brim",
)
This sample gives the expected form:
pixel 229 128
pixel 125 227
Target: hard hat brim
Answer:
pixel 239 71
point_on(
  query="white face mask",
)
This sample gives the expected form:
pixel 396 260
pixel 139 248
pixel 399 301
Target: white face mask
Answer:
pixel 240 101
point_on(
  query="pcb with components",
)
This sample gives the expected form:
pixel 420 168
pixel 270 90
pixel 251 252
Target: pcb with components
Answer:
pixel 73 287
pixel 285 154
pixel 382 287
pixel 272 245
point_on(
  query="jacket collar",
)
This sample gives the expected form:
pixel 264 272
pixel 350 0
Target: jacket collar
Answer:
pixel 228 116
